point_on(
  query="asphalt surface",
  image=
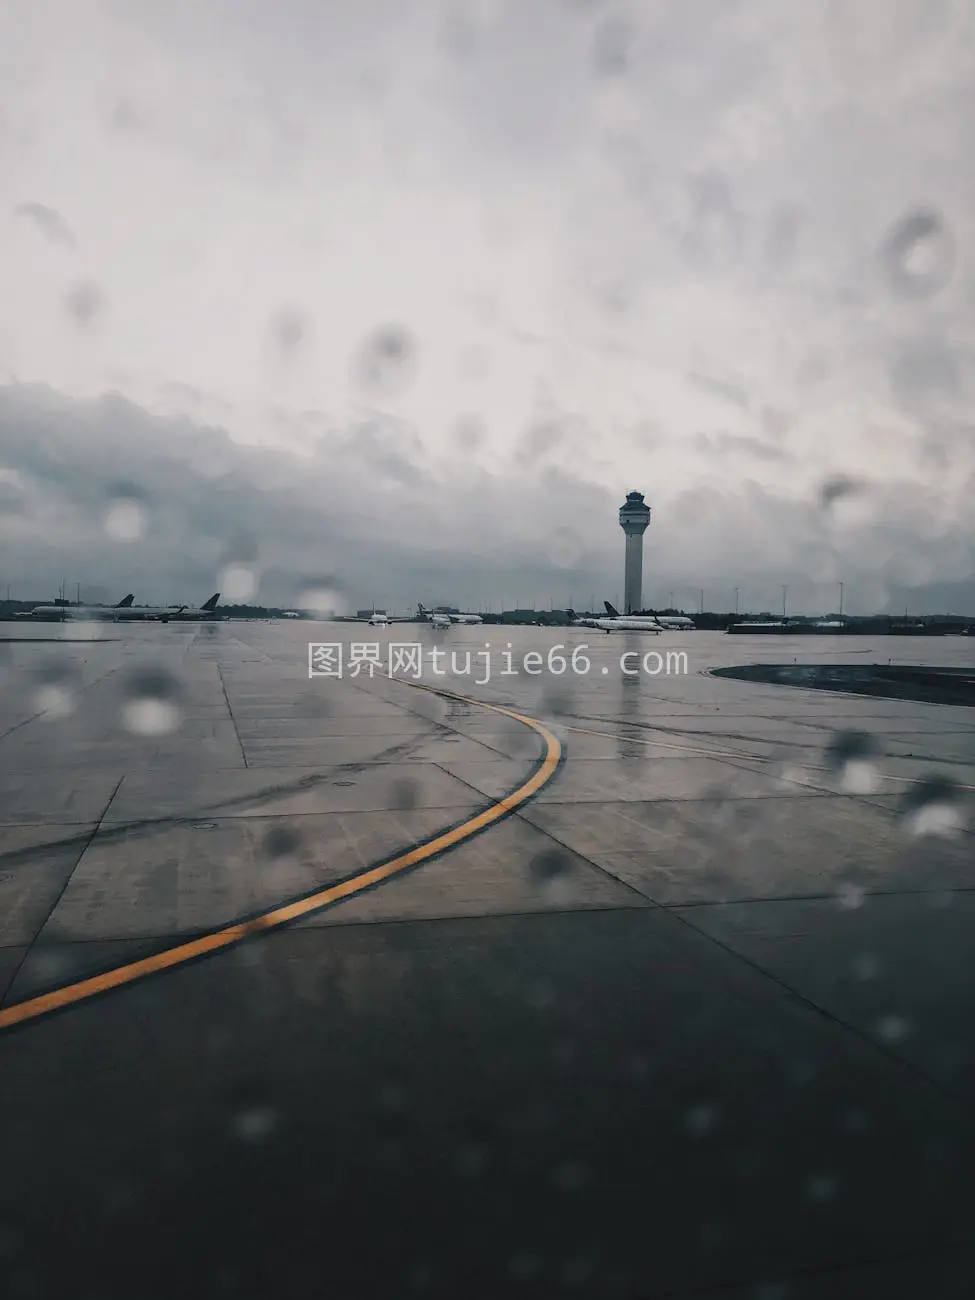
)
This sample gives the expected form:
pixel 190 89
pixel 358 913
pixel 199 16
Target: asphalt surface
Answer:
pixel 627 986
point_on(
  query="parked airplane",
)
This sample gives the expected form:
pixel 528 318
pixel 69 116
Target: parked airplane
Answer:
pixel 453 618
pixel 185 612
pixel 88 613
pixel 576 621
pixel 378 618
pixel 615 622
pixel 676 622
pixel 169 613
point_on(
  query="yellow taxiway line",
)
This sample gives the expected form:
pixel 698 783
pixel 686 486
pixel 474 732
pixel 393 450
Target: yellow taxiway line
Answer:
pixel 225 937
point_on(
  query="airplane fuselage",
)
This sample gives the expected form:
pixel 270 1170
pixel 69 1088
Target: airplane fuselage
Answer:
pixel 87 613
pixel 628 625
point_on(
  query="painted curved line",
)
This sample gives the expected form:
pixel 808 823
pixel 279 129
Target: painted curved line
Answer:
pixel 228 936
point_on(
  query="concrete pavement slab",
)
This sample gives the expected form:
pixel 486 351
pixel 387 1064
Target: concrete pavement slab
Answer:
pixel 184 877
pixel 499 1064
pixel 291 791
pixel 10 961
pixel 63 794
pixel 682 851
pixel 896 967
pixel 36 862
pixel 515 869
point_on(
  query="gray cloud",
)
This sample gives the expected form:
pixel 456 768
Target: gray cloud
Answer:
pixel 666 207
pixel 734 444
pixel 366 509
pixel 719 388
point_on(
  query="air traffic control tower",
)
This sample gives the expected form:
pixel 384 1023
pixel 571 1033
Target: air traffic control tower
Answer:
pixel 634 520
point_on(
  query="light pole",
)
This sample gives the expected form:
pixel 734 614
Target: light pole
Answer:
pixel 841 600
pixel 736 602
pixel 785 592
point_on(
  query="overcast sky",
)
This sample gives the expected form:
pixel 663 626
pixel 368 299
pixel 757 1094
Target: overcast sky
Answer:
pixel 405 295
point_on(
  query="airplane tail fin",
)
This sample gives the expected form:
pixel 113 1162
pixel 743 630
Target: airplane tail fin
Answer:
pixel 211 603
pixel 570 613
pixel 610 610
pixel 126 602
pixel 420 610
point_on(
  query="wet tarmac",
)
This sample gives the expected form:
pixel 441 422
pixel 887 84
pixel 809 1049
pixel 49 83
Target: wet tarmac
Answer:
pixel 636 983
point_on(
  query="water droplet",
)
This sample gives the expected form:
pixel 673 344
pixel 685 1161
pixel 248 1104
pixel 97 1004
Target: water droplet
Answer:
pixel 612 47
pixel 576 1272
pixel 638 1066
pixel 405 794
pixel 571 1176
pixel 540 995
pixel 385 365
pixel 934 807
pixel 468 433
pixel 821 1188
pixel 281 842
pixel 255 1123
pixel 866 967
pixel 85 629
pixel 289 327
pixel 238 583
pixel 770 1291
pixel 847 500
pixel 54 694
pixel 893 1029
pixel 323 598
pixel 919 254
pixel 392 1099
pixel 564 549
pixel 850 896
pixel 557 702
pixel 524 1267
pixel 125 516
pixel 790 774
pixel 701 1120
pixel 551 872
pixel 851 756
pixel 472 1159
pixel 84 301
pixel 941 899
pixel 152 706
